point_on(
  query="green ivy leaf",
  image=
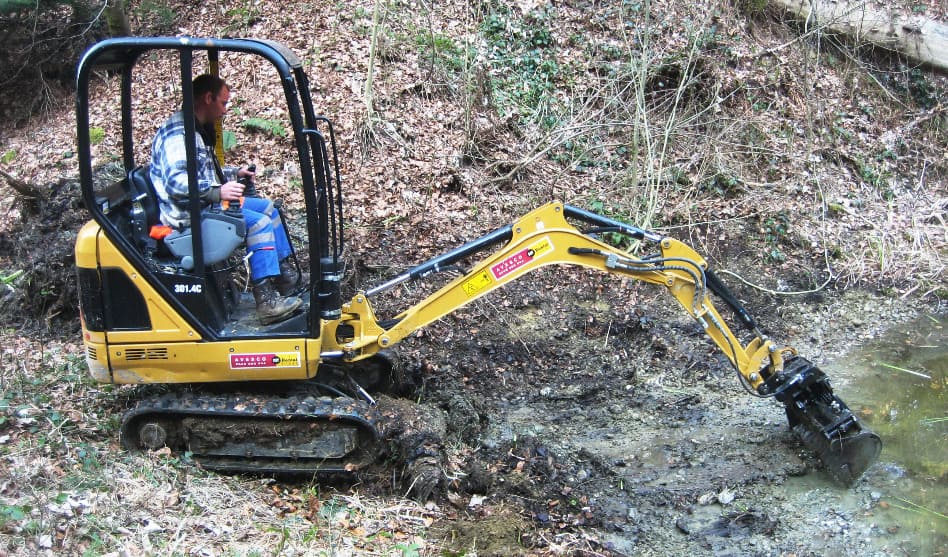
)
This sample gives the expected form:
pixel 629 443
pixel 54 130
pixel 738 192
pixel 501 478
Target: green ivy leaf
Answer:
pixel 264 125
pixel 230 140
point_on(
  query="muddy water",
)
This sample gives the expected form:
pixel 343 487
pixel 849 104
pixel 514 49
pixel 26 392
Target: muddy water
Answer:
pixel 897 384
pixel 675 465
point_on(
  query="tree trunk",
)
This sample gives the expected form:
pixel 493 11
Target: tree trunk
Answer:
pixel 117 19
pixel 917 37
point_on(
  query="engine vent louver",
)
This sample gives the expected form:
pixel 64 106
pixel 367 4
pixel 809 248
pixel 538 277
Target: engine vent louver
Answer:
pixel 92 353
pixel 146 354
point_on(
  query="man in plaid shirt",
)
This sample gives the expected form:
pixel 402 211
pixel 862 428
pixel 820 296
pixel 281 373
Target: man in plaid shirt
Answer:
pixel 273 278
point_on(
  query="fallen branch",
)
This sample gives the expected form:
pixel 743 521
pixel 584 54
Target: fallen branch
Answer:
pixel 25 189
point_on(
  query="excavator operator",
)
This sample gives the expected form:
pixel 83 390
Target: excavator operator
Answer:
pixel 273 277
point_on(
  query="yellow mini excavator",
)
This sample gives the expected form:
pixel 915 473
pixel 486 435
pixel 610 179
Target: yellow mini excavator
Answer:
pixel 294 396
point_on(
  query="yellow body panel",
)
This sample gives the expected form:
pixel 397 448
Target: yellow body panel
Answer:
pixel 172 351
pixel 87 257
pixel 95 251
pixel 98 360
pixel 201 362
pixel 86 245
pixel 166 324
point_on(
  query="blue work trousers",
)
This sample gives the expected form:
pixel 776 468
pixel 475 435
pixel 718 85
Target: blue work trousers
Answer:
pixel 266 239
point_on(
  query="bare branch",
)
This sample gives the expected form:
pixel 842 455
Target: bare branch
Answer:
pixel 27 190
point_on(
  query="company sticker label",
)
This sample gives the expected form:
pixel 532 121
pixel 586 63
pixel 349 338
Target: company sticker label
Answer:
pixel 532 252
pixel 272 359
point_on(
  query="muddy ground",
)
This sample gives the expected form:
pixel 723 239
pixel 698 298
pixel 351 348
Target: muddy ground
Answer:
pixel 586 412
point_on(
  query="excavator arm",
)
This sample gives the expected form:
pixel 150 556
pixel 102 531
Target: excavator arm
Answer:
pixel 545 237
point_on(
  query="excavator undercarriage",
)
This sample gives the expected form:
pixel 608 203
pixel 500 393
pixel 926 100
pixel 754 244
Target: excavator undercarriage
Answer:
pixel 297 396
pixel 259 433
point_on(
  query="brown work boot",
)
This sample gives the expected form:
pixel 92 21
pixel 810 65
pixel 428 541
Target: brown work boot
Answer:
pixel 290 281
pixel 271 307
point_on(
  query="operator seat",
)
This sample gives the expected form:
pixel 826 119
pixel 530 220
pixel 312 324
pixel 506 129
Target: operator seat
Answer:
pixel 222 232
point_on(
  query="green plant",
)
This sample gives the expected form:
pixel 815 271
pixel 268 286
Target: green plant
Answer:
pixel 751 8
pixel 523 66
pixel 8 157
pixel 265 125
pixel 919 509
pixel 88 458
pixel 835 209
pixel 616 239
pixel 842 133
pixel 10 6
pixel 776 229
pixel 923 90
pixel 775 255
pixel 723 184
pixel 887 154
pixel 284 532
pixel 229 139
pixel 96 135
pixel 877 179
pixel 12 513
pixel 409 550
pixel 11 278
pixel 243 16
pixel 73 369
pixel 578 155
pixel 96 545
pixel 443 51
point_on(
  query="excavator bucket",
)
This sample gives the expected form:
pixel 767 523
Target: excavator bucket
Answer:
pixel 823 422
pixel 845 458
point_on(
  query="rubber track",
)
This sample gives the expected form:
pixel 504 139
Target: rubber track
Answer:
pixel 259 406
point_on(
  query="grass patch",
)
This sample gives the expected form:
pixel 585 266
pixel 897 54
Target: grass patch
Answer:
pixel 265 125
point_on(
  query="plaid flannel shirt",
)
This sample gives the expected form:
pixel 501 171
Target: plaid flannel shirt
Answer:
pixel 169 172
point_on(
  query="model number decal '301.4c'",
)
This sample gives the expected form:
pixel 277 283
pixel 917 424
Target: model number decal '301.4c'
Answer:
pixel 534 251
pixel 265 359
pixel 187 288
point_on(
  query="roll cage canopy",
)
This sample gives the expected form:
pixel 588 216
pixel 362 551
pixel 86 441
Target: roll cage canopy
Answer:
pixel 311 134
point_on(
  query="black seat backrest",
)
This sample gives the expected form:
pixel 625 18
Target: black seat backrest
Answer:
pixel 143 192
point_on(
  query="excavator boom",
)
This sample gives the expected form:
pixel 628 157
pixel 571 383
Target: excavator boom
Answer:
pixel 544 237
